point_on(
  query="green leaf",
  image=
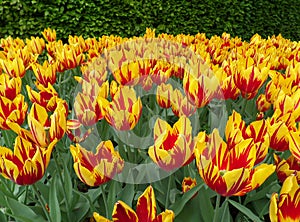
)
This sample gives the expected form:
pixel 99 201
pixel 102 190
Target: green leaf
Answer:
pixel 127 194
pixel 67 183
pixel 22 212
pixel 245 210
pixel 55 213
pixel 179 204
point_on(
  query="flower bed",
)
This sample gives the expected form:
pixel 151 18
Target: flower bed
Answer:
pixel 152 128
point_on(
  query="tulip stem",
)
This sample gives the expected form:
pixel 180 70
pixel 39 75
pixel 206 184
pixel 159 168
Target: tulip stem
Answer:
pixel 104 200
pixel 168 191
pixel 62 182
pixel 217 207
pixel 42 202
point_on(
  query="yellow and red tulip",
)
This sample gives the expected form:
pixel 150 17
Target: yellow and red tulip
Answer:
pixel 69 57
pixel 36 45
pixel 279 128
pixel 285 168
pixel 173 146
pixel 262 104
pixel 127 74
pixel 187 184
pixel 45 74
pixel 164 94
pixel 46 97
pixel 200 85
pixel 97 168
pixel 124 111
pixel 286 205
pixel 89 110
pixel 249 77
pixel 49 34
pixel 27 164
pixel 10 87
pixel 45 128
pixel 14 68
pixel 230 171
pixel 12 111
pixel 236 131
pixel 145 211
pixel 180 104
pixel 294 144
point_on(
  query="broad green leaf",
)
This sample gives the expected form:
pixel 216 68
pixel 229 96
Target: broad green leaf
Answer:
pixel 180 203
pixel 127 194
pixel 23 212
pixel 245 210
pixel 67 183
pixel 55 213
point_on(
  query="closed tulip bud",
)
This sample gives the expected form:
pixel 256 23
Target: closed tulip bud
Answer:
pixel 262 104
pixel 163 95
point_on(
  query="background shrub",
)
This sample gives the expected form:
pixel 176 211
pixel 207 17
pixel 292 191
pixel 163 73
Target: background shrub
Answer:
pixel 25 18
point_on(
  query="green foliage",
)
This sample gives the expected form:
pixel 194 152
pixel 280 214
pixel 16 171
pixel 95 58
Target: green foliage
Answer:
pixel 25 18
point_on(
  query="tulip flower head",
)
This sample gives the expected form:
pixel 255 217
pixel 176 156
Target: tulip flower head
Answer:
pixel 173 146
pixel 230 171
pixel 145 211
pixel 286 205
pixel 97 168
pixel 27 163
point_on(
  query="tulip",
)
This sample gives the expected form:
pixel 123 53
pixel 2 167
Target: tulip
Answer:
pixel 279 128
pixel 262 104
pixel 173 146
pixel 127 74
pixel 69 57
pixel 163 95
pixel 188 183
pixel 45 73
pixel 236 131
pixel 10 87
pixel 89 110
pixel 27 164
pixel 12 111
pixel 145 211
pixel 49 34
pixel 180 104
pixel 44 128
pixel 285 207
pixel 124 111
pixel 36 45
pixel 14 68
pixel 230 171
pixel 200 85
pixel 294 144
pixel 285 168
pixel 249 77
pixel 97 168
pixel 46 97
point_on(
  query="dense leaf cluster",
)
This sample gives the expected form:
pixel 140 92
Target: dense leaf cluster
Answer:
pixel 243 18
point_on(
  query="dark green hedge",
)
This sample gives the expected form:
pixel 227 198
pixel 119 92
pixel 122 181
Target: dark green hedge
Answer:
pixel 25 18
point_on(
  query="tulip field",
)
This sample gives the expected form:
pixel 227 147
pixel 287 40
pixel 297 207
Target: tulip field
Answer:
pixel 155 128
